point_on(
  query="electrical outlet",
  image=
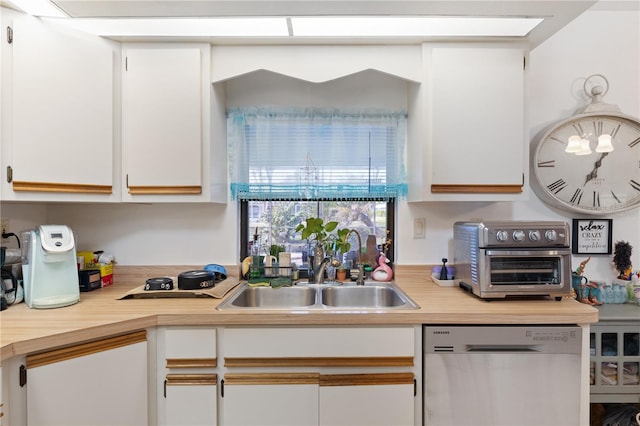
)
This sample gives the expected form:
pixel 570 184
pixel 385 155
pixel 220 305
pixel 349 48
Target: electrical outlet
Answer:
pixel 419 226
pixel 4 224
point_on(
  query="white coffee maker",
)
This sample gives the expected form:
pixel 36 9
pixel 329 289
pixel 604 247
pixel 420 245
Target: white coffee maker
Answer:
pixel 49 268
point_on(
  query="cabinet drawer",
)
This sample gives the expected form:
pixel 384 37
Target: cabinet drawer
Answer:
pixel 187 345
pixel 319 343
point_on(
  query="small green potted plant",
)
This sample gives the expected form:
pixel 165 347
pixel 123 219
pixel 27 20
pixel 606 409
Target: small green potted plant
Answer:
pixel 276 249
pixel 341 273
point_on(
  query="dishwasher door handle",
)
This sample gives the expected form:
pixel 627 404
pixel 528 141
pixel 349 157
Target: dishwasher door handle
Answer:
pixel 502 348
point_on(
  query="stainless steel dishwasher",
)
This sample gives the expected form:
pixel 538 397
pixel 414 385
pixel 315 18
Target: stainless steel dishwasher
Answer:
pixel 502 375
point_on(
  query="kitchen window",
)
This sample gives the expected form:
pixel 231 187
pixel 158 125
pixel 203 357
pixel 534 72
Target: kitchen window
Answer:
pixel 279 219
pixel 291 164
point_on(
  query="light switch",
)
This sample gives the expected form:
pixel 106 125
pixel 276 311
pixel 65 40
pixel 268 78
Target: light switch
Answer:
pixel 419 225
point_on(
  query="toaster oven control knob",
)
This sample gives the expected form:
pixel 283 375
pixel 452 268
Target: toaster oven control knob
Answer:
pixel 502 235
pixel 534 235
pixel 551 235
pixel 518 235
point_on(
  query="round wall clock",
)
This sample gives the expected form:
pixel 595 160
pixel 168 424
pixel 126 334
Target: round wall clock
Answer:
pixel 590 163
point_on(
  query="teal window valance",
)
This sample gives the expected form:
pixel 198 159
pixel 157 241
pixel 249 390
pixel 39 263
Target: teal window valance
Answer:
pixel 316 154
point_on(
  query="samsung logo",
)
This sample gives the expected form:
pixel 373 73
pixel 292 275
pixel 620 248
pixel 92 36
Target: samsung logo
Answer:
pixel 440 332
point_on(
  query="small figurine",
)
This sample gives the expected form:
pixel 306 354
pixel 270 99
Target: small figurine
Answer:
pixel 580 269
pixel 622 260
pixel 384 271
pixel 443 271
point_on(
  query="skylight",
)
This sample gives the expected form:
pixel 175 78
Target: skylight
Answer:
pixel 422 26
pixel 293 26
pixel 412 26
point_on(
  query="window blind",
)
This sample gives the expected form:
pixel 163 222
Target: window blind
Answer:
pixel 315 154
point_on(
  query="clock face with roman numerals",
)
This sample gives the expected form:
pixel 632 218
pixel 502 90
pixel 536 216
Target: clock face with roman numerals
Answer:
pixel 595 183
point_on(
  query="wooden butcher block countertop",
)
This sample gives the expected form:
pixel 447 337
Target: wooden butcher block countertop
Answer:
pixel 100 314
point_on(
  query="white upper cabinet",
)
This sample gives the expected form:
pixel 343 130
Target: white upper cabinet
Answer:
pixel 166 136
pixel 58 143
pixel 467 124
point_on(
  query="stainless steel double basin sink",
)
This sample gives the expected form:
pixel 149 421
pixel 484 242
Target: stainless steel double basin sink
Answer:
pixel 333 296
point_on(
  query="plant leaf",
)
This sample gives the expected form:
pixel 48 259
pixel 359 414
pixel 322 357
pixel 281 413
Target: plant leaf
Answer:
pixel 330 226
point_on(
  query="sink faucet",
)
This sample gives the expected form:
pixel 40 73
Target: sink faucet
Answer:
pixel 360 279
pixel 317 274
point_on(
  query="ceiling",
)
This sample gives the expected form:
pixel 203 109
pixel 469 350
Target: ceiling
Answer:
pixel 556 14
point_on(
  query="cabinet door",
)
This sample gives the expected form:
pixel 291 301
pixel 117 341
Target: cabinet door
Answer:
pixel 187 362
pixel 1 400
pixel 191 399
pixel 162 122
pixel 189 344
pixel 62 114
pixel 471 145
pixel 99 383
pixel 277 399
pixel 478 118
pixel 367 399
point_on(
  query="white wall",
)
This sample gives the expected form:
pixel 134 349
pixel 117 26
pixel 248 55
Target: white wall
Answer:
pixel 22 217
pixel 599 41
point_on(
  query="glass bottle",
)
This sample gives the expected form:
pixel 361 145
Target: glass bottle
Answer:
pixel 618 294
pixel 608 293
pixel 254 270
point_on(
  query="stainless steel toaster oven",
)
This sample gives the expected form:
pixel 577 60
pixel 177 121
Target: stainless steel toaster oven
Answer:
pixel 504 259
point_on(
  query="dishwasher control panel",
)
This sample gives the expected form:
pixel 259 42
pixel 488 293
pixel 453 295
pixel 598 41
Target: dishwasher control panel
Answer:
pixel 502 339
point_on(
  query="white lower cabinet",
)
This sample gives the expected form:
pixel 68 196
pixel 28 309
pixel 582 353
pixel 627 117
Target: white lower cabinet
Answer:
pixel 1 400
pixel 270 399
pixel 320 376
pixel 187 364
pixel 191 399
pixel 367 399
pixel 97 383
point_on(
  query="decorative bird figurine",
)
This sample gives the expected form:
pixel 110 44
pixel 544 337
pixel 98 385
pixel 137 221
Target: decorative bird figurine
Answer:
pixel 580 269
pixel 384 271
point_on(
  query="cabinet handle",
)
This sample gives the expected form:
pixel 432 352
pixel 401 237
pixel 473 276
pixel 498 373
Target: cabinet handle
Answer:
pixel 191 379
pixel 57 355
pixel 77 188
pixel 367 379
pixel 9 174
pixel 476 189
pixel 191 362
pixel 164 190
pixel 23 376
pixel 391 361
pixel 272 378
